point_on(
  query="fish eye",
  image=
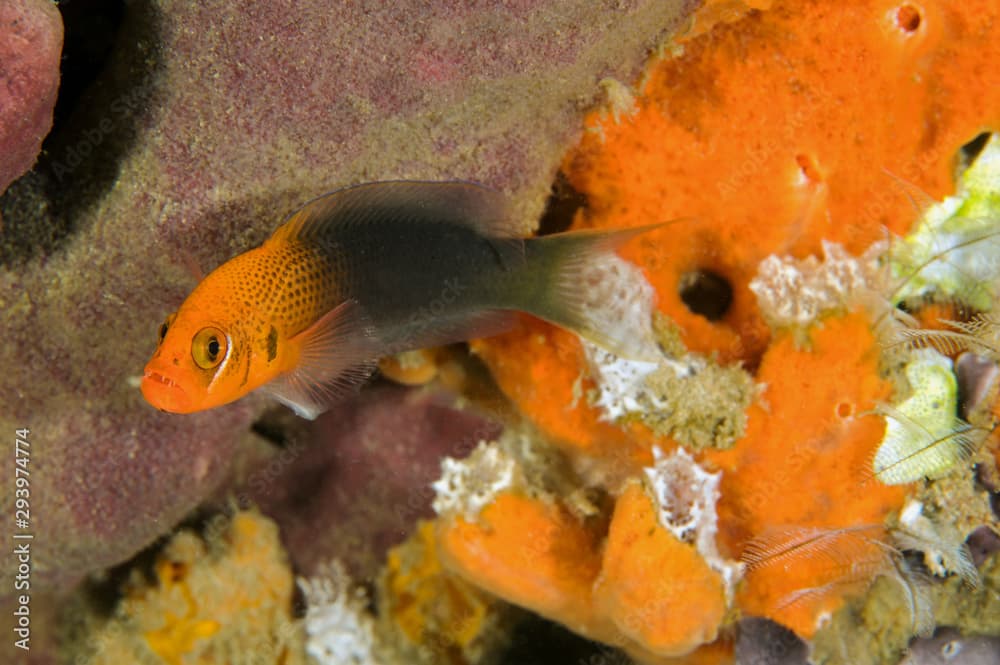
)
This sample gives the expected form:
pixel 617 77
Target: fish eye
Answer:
pixel 208 347
pixel 165 326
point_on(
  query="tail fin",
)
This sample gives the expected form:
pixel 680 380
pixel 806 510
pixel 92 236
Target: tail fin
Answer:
pixel 577 282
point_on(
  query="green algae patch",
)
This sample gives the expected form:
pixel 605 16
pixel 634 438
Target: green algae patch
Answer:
pixel 877 628
pixel 922 436
pixel 706 409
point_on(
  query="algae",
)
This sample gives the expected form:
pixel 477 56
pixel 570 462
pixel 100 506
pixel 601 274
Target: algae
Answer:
pixel 876 629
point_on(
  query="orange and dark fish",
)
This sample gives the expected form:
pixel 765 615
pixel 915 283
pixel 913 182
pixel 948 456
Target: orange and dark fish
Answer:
pixel 358 274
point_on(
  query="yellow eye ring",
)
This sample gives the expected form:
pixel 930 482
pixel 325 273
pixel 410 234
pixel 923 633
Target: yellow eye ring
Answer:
pixel 209 347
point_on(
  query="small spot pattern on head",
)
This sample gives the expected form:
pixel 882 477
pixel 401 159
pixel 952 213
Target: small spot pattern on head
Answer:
pixel 287 285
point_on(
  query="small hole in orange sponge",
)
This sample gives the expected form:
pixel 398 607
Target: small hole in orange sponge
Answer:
pixel 908 18
pixel 808 167
pixel 845 410
pixel 706 293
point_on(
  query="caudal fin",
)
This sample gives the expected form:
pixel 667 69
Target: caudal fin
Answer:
pixel 577 282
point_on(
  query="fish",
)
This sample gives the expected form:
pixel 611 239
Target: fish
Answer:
pixel 365 272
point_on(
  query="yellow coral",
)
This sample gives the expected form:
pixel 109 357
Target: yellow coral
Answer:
pixel 221 596
pixel 437 611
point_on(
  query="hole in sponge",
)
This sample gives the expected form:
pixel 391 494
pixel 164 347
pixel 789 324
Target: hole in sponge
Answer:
pixel 808 169
pixel 908 18
pixel 706 293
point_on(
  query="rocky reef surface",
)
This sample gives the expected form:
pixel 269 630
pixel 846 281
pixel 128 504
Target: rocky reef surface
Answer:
pixel 30 44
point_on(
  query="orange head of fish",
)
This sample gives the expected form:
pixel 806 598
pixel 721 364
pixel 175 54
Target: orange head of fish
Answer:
pixel 205 356
pixel 190 359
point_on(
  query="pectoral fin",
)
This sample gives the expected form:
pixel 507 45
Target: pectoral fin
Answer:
pixel 337 353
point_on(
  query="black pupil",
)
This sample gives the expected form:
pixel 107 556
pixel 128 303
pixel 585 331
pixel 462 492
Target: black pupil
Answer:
pixel 213 348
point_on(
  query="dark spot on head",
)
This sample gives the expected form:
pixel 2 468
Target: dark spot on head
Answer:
pixel 246 374
pixel 272 344
pixel 177 362
pixel 706 293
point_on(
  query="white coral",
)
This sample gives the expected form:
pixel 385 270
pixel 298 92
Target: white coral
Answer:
pixel 339 629
pixel 620 301
pixel 685 496
pixel 468 485
pixel 795 292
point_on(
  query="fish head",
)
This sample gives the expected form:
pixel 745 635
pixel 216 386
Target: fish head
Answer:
pixel 189 369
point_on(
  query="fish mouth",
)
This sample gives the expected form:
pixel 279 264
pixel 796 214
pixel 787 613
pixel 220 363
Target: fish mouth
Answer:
pixel 163 392
pixel 159 378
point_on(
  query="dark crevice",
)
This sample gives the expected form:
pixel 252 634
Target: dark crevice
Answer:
pixel 908 18
pixel 706 293
pixel 561 207
pixel 89 30
pixel 279 426
pixel 537 641
pixel 108 69
pixel 971 150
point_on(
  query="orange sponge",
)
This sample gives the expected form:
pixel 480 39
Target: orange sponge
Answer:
pixel 804 459
pixel 656 589
pixel 774 132
pixel 530 553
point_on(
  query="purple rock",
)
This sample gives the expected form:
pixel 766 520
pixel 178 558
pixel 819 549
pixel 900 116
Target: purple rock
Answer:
pixel 763 642
pixel 31 36
pixel 949 647
pixel 361 478
pixel 976 375
pixel 982 544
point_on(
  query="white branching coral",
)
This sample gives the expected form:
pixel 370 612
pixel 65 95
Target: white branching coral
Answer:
pixel 621 383
pixel 618 301
pixel 339 628
pixel 468 485
pixel 685 497
pixel 793 293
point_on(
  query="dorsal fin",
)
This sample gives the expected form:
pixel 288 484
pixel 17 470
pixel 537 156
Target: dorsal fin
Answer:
pixel 420 202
